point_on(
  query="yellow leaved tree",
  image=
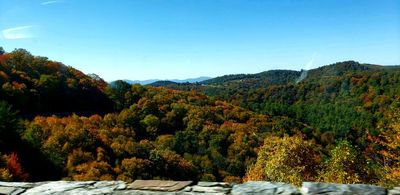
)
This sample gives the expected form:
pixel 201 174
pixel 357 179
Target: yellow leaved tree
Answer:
pixel 286 159
pixel 343 166
pixel 390 140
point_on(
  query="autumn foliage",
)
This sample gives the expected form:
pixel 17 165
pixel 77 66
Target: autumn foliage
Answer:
pixel 340 124
pixel 12 170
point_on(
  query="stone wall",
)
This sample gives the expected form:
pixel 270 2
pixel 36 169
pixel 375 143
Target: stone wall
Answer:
pixel 157 187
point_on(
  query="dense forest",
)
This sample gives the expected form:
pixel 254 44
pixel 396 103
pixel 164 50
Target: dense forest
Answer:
pixel 337 123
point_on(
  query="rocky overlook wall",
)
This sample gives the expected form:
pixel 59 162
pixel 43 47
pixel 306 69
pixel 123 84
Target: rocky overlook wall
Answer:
pixel 158 187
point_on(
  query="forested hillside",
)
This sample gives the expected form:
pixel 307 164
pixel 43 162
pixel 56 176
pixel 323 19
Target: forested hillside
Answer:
pixel 341 98
pixel 337 123
pixel 36 85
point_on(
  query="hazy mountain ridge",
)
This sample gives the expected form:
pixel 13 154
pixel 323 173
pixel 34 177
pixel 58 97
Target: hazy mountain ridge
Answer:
pixel 271 77
pixel 232 85
pixel 267 77
pixel 290 76
pixel 150 81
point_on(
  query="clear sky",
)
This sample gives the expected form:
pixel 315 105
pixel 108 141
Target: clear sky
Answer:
pixel 177 39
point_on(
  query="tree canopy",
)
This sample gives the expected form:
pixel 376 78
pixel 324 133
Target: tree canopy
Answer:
pixel 338 123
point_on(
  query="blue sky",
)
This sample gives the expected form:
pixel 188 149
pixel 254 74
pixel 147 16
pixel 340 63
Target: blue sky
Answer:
pixel 177 39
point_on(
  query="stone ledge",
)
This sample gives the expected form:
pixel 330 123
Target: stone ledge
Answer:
pixel 158 187
pixel 330 188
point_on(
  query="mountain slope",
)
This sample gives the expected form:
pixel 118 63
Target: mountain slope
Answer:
pixel 342 98
pixel 347 67
pixel 34 84
pixel 259 79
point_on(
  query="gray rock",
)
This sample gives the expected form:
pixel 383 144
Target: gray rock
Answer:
pixel 187 189
pixel 115 185
pixel 7 190
pixel 196 193
pixel 213 184
pixel 261 187
pixel 157 187
pixel 394 191
pixel 58 187
pixel 341 189
pixel 89 191
pixel 141 192
pixel 18 191
pixel 216 189
pixel 100 187
pixel 207 188
pixel 67 187
pixel 17 184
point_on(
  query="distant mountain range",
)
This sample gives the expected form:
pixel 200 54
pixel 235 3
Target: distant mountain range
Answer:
pixel 149 81
pixel 266 78
pixel 229 85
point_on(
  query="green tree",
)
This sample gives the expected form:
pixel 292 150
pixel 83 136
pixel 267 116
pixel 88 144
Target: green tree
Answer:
pixel 117 92
pixel 151 124
pixel 8 126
